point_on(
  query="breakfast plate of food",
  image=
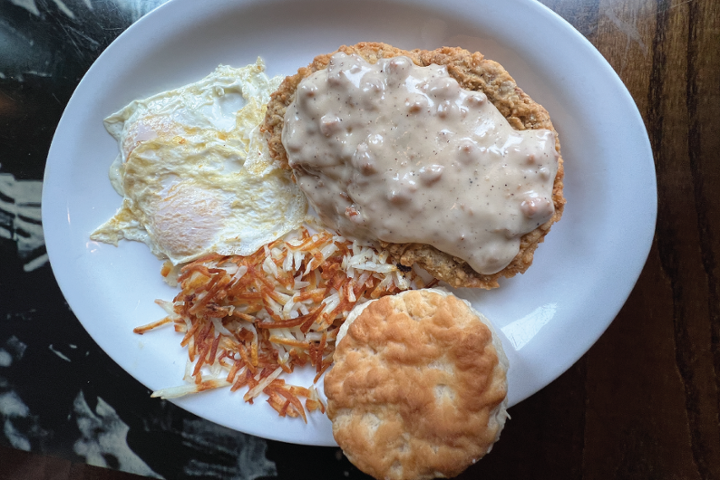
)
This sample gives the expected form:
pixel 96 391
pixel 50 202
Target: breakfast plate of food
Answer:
pixel 241 193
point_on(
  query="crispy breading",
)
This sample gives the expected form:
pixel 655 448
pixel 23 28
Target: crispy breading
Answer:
pixel 473 72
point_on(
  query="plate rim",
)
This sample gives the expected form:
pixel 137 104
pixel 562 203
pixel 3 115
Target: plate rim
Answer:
pixel 175 6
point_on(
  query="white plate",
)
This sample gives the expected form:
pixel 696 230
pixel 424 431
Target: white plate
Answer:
pixel 550 316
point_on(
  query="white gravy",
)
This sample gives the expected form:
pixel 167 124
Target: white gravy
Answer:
pixel 403 154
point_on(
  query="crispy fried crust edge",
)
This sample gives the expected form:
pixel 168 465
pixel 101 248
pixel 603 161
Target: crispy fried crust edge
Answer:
pixel 473 72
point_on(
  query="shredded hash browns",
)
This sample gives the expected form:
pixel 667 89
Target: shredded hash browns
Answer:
pixel 247 320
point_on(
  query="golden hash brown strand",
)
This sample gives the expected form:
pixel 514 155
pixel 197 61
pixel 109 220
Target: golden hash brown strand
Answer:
pixel 473 72
pixel 232 311
pixel 416 387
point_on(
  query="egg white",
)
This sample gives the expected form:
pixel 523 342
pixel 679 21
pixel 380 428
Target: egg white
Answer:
pixel 195 174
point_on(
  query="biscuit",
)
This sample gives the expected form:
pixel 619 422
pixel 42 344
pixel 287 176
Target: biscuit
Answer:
pixel 473 72
pixel 418 388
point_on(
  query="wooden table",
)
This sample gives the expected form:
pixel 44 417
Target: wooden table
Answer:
pixel 643 402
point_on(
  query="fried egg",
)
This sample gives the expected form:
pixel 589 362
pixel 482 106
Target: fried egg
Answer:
pixel 195 174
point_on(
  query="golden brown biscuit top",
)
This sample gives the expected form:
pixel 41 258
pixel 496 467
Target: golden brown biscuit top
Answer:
pixel 418 388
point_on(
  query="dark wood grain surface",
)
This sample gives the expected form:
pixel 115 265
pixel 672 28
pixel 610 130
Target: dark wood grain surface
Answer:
pixel 643 402
pixel 649 387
